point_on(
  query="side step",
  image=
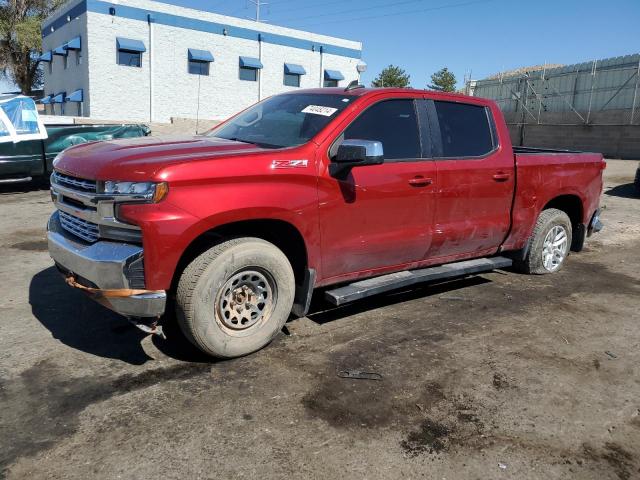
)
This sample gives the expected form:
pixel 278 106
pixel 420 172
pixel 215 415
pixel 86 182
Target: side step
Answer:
pixel 15 180
pixel 393 281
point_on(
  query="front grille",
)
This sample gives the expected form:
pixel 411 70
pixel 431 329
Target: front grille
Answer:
pixel 81 228
pixel 74 183
pixel 75 203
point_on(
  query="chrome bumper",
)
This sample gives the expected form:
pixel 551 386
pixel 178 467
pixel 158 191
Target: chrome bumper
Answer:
pixel 103 264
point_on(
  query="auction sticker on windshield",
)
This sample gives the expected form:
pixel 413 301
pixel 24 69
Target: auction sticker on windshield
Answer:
pixel 319 110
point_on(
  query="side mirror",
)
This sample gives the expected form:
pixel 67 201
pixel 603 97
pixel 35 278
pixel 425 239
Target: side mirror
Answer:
pixel 355 153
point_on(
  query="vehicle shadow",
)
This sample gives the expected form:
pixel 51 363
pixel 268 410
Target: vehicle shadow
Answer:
pixel 628 190
pixel 321 311
pixel 24 187
pixel 82 324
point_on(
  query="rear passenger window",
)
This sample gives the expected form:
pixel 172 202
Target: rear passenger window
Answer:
pixel 392 122
pixel 465 129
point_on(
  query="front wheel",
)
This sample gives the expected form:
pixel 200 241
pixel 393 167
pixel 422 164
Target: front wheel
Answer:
pixel 549 243
pixel 235 297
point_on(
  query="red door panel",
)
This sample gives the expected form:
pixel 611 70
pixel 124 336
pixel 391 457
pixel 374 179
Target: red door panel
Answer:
pixel 473 208
pixel 476 180
pixel 380 216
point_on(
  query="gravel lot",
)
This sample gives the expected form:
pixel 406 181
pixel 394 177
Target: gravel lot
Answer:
pixel 498 376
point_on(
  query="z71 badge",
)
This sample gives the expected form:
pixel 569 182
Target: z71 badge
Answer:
pixel 289 163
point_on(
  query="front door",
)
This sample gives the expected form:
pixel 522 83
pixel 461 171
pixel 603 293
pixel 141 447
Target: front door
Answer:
pixel 380 215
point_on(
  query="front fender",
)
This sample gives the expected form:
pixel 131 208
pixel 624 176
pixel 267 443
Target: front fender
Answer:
pixel 169 227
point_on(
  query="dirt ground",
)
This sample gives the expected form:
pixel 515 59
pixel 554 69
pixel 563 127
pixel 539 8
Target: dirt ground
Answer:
pixel 498 376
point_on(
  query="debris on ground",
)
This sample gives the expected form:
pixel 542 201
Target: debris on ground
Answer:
pixel 357 374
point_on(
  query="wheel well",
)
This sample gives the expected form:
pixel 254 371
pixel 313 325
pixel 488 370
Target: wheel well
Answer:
pixel 569 204
pixel 572 206
pixel 282 234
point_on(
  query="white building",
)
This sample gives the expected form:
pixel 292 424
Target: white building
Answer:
pixel 142 60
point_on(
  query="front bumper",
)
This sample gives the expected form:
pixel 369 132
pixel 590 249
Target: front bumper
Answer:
pixel 105 265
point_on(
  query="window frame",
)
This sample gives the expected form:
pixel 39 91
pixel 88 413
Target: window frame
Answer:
pixel 201 65
pixel 436 137
pixel 324 84
pixel 421 125
pixel 254 70
pixel 130 52
pixel 291 75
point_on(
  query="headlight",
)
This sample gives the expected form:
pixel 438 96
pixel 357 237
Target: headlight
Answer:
pixel 136 191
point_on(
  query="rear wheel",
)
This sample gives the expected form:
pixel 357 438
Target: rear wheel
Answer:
pixel 235 297
pixel 549 243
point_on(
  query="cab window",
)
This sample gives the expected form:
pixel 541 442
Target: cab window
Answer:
pixel 392 122
pixel 465 129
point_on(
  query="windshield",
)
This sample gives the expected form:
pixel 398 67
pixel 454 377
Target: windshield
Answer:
pixel 284 120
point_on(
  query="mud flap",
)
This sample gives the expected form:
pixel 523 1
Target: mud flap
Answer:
pixel 304 293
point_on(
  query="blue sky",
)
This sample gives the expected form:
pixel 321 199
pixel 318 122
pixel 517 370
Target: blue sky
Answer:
pixel 481 36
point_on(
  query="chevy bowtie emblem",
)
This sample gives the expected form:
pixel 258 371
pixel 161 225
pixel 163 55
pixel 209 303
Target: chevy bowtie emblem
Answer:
pixel 289 163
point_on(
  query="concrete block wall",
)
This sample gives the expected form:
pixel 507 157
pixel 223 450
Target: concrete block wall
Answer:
pixel 163 89
pixel 613 136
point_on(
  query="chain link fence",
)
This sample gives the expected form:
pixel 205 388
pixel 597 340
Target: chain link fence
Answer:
pixel 601 92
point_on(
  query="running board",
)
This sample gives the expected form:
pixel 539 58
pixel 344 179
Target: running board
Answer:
pixel 15 180
pixel 393 281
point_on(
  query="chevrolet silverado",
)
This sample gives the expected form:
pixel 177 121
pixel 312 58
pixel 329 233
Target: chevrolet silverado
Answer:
pixel 358 191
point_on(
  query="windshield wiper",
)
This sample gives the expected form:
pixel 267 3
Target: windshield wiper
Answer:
pixel 236 139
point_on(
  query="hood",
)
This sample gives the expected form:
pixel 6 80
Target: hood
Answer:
pixel 141 158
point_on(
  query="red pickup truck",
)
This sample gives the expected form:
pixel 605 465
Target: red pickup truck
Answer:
pixel 360 190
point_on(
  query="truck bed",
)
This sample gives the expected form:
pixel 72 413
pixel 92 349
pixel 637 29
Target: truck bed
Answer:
pixel 546 174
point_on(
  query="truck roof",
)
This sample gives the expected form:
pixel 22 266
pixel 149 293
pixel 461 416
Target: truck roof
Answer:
pixel 365 91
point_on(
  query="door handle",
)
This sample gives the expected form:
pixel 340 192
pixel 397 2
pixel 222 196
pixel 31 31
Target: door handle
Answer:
pixel 501 177
pixel 420 181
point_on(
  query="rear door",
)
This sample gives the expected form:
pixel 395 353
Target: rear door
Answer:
pixel 476 181
pixel 380 215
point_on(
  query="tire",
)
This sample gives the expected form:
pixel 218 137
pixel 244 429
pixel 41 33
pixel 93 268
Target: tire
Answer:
pixel 537 261
pixel 235 298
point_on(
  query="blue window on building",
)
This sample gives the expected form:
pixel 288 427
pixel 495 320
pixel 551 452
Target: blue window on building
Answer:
pixel 292 74
pixel 291 80
pixel 130 52
pixel 130 59
pixel 249 67
pixel 332 77
pixel 198 68
pixel 198 61
pixel 250 74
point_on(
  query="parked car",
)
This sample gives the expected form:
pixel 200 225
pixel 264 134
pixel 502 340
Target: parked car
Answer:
pixel 359 191
pixel 637 180
pixel 31 159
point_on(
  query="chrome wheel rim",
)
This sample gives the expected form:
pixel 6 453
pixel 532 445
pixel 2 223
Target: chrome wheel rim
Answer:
pixel 554 248
pixel 245 300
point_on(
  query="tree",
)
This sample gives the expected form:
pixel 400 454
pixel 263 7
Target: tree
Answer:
pixel 21 40
pixel 391 76
pixel 443 81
